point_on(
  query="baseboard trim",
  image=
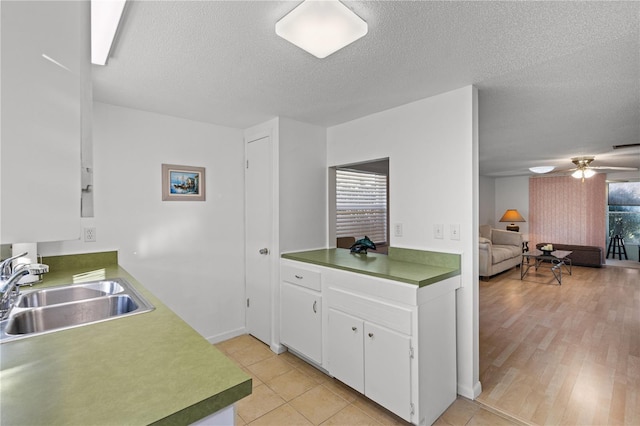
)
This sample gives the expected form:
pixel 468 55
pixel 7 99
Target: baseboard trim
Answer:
pixel 277 348
pixel 227 335
pixel 470 392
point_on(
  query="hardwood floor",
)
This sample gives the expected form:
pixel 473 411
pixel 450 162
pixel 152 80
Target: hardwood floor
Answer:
pixel 562 355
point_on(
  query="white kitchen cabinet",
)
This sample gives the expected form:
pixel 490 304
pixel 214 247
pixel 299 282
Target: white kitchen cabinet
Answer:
pixel 44 45
pixel 302 321
pixel 346 348
pixel 393 341
pixel 301 312
pixel 387 369
pixel 371 359
pixel 406 361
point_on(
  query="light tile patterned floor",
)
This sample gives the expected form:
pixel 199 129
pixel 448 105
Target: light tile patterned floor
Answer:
pixel 288 391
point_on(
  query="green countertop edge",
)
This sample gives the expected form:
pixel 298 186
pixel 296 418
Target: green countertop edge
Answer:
pixel 32 356
pixel 446 265
pixel 205 408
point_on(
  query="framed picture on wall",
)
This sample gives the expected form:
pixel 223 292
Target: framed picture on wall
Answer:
pixel 182 183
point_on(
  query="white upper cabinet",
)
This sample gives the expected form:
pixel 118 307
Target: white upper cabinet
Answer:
pixel 44 45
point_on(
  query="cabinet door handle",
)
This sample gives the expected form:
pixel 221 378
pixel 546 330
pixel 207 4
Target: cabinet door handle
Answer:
pixel 354 328
pixel 315 304
pixel 371 335
pixel 298 276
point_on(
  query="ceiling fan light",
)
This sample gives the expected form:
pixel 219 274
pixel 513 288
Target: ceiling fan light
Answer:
pixel 578 174
pixel 541 169
pixel 588 173
pixel 321 27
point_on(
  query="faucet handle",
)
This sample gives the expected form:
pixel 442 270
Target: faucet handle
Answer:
pixel 6 264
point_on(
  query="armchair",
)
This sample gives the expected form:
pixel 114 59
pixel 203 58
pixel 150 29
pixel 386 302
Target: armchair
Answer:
pixel 499 250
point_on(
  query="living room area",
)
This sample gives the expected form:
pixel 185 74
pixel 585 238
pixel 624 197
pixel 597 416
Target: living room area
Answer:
pixel 566 353
pixel 560 209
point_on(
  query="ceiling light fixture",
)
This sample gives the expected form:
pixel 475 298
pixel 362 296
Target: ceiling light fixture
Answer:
pixel 541 169
pixel 583 173
pixel 105 17
pixel 321 27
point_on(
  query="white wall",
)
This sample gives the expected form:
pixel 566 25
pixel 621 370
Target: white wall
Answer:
pixel 189 254
pixel 303 185
pixel 487 201
pixel 512 193
pixel 427 189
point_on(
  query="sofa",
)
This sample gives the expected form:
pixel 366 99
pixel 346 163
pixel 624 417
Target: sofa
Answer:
pixel 581 255
pixel 499 250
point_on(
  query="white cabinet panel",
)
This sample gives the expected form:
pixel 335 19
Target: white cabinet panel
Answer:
pixel 371 359
pixel 387 369
pixel 346 350
pixel 301 320
pixel 42 50
pixel 301 276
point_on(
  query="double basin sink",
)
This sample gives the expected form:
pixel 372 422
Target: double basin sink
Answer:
pixel 59 308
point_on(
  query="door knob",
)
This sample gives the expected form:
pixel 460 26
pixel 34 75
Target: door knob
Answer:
pixel 263 251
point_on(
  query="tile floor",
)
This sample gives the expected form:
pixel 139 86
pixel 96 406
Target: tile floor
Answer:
pixel 288 391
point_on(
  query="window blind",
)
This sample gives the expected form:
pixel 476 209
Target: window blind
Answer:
pixel 361 205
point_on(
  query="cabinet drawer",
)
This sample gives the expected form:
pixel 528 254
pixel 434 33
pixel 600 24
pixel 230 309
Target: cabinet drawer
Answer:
pixel 301 276
pixel 389 315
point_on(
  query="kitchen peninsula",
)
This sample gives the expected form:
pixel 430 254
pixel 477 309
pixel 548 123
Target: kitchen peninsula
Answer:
pixel 150 368
pixel 384 325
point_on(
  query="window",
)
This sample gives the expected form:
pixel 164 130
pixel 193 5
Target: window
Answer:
pixel 361 205
pixel 624 211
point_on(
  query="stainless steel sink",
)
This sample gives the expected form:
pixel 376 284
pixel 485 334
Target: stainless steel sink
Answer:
pixel 60 308
pixel 56 295
pixel 53 317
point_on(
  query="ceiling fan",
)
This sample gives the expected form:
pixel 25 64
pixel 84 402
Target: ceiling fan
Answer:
pixel 584 169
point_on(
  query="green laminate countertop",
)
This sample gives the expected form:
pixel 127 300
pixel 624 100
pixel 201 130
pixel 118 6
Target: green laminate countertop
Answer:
pixel 410 266
pixel 138 370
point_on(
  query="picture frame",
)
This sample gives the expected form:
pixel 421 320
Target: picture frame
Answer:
pixel 183 183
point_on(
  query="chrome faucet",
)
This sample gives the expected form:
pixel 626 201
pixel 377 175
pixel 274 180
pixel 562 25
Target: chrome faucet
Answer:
pixel 5 267
pixel 10 287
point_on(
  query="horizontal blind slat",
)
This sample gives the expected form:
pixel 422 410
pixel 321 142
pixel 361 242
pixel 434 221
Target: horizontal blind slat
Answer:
pixel 361 205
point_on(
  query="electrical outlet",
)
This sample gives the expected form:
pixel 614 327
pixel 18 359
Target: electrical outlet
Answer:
pixel 455 232
pixel 438 231
pixel 89 235
pixel 398 229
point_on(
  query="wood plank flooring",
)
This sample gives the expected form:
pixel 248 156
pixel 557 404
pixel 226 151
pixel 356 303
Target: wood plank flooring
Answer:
pixel 562 355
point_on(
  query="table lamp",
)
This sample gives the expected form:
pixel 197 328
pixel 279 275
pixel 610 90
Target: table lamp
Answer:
pixel 512 215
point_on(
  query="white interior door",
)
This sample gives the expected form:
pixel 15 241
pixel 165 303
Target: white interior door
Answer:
pixel 259 238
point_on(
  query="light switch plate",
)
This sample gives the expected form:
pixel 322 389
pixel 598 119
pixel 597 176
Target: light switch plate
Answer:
pixel 438 231
pixel 455 231
pixel 398 229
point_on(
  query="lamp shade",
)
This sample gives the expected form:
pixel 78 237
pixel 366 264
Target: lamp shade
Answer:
pixel 512 216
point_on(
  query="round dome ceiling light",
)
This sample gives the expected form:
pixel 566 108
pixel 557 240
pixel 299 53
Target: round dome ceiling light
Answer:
pixel 541 169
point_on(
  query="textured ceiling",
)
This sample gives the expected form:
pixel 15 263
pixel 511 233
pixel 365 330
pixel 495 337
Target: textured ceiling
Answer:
pixel 555 79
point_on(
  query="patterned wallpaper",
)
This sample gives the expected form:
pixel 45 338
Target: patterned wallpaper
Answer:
pixel 565 210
